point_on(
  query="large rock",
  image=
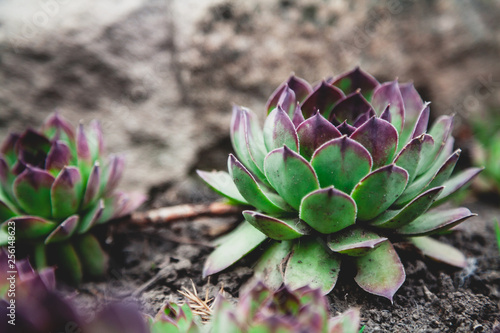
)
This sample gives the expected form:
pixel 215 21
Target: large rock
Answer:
pixel 161 75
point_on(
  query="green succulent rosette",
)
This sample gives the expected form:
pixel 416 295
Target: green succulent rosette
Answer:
pixel 55 185
pixel 339 172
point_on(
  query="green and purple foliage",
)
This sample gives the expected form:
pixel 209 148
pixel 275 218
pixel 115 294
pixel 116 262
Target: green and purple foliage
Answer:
pixel 339 172
pixel 33 305
pixel 56 184
pixel 260 310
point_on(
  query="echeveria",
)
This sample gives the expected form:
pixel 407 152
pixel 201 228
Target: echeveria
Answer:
pixel 339 172
pixel 55 185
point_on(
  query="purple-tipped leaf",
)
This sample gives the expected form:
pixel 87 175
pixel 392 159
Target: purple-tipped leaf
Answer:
pixel 434 221
pixel 342 163
pixel 277 228
pixel 413 103
pixel 58 157
pixel 440 132
pixel 236 245
pixel 346 129
pixel 389 94
pixel 350 108
pixel 8 149
pixel 30 226
pixel 95 140
pixel 457 182
pixel 222 183
pixel 347 322
pixel 409 156
pixel 57 127
pixel 252 191
pixel 356 79
pixel 32 191
pixel 279 131
pixel 328 210
pixel 435 176
pixel 93 186
pixel 380 272
pixel 69 264
pixel 112 174
pixel 380 138
pixel 439 251
pixel 91 217
pixel 378 190
pixel 298 117
pixel 82 145
pixel 313 264
pixel 66 193
pixel 290 175
pixel 364 118
pixel 422 121
pixel 323 98
pixel 6 211
pixel 397 218
pixel 313 132
pixel 354 241
pixel 300 87
pixel 386 115
pixel 287 101
pixel 64 230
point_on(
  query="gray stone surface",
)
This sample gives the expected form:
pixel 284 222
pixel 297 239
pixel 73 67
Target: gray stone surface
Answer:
pixel 161 75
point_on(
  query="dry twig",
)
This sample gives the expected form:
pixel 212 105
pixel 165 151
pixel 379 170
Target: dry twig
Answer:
pixel 200 307
pixel 174 213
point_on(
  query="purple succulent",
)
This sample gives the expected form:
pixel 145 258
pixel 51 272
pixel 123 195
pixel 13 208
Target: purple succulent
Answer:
pixel 56 184
pixel 340 172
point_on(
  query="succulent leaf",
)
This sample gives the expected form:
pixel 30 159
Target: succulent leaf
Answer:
pixel 356 79
pixel 439 251
pixel 409 156
pixel 221 182
pixel 380 138
pixel 378 190
pixel 300 87
pixel 64 230
pixel 269 266
pixel 290 175
pixel 323 98
pixel 279 131
pixel 355 241
pixel 314 132
pixel 30 226
pixel 276 228
pixel 380 272
pixel 91 217
pixel 398 218
pixel 93 258
pixel 236 245
pixel 66 192
pixel 32 191
pixel 328 210
pixel 350 108
pixel 389 94
pixel 342 163
pixel 312 263
pixel 457 182
pixel 434 221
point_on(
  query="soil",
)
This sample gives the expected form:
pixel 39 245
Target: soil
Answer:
pixel 150 264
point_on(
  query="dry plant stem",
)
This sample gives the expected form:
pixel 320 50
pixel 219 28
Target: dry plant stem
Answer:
pixel 174 213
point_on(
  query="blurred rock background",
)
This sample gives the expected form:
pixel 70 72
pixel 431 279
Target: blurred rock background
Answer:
pixel 162 75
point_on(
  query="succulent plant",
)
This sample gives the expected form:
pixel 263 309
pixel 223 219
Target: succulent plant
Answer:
pixel 262 310
pixel 339 171
pixel 55 184
pixel 33 305
pixel 485 151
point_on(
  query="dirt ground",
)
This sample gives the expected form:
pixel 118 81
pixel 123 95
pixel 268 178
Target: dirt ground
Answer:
pixel 150 264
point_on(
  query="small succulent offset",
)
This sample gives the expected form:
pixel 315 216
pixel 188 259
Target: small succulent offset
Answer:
pixel 55 184
pixel 261 310
pixel 339 171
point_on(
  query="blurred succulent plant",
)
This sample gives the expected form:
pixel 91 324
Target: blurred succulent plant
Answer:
pixel 485 151
pixel 260 310
pixel 341 171
pixel 33 305
pixel 55 184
